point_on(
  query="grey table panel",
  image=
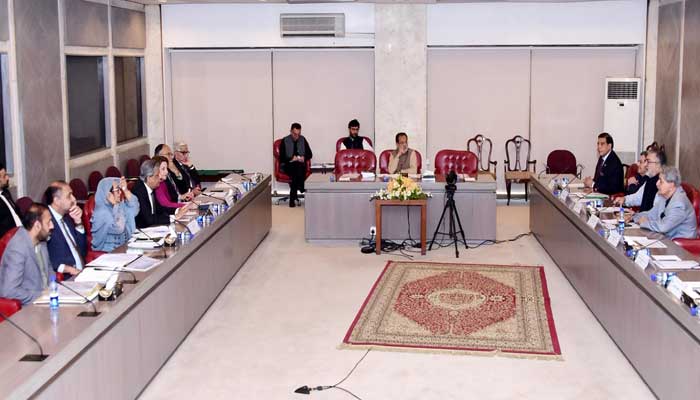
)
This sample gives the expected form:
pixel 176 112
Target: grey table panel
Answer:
pixel 654 331
pixel 118 353
pixel 343 211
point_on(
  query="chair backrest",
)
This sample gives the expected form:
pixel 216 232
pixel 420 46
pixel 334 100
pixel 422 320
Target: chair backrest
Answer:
pixel 133 168
pixel 88 210
pixel 280 176
pixel 386 155
pixel 23 203
pixel 79 189
pixel 355 161
pixel 694 197
pixel 340 141
pixel 517 154
pixel 461 161
pixel 5 239
pixel 8 306
pixel 93 180
pixel 143 158
pixel 483 148
pixel 113 172
pixel 561 162
pixel 631 171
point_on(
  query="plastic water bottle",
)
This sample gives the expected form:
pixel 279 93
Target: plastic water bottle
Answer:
pixel 662 278
pixel 53 293
pixel 621 221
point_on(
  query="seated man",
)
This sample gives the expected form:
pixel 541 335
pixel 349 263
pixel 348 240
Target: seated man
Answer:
pixel 354 140
pixel 672 214
pixel 644 197
pixel 179 185
pixel 184 164
pixel 25 269
pixel 9 213
pixel 636 181
pixel 150 211
pixel 609 175
pixel 403 160
pixel 68 244
pixel 294 151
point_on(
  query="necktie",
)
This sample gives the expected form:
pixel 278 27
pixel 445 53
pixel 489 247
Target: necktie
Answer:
pixel 598 167
pixel 663 213
pixel 42 267
pixel 72 243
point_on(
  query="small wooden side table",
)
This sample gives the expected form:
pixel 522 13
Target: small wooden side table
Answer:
pixel 378 215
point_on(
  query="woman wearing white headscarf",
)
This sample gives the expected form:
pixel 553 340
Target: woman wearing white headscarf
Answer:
pixel 113 220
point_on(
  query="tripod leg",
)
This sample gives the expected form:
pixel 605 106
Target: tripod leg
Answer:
pixel 461 230
pixel 453 233
pixel 437 228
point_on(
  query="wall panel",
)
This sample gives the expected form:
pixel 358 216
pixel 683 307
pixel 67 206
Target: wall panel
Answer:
pixel 690 103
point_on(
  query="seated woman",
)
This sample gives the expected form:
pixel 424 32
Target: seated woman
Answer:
pixel 167 194
pixel 403 160
pixel 113 220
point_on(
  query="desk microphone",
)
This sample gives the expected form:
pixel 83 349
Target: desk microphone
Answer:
pixel 92 313
pixel 186 227
pixel 27 357
pixel 208 195
pixel 133 276
pixel 165 254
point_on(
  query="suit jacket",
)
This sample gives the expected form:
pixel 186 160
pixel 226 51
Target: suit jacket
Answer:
pixel 611 179
pixel 6 220
pixel 20 276
pixel 678 220
pixel 59 250
pixel 146 216
pixel 189 173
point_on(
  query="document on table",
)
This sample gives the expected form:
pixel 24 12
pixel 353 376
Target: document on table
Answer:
pixel 645 242
pixel 666 257
pixel 153 231
pixel 113 260
pixel 576 185
pixel 65 296
pixel 682 264
pixel 93 275
pixel 142 264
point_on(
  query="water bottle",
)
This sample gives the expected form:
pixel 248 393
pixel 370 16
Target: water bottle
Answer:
pixel 662 278
pixel 621 221
pixel 53 293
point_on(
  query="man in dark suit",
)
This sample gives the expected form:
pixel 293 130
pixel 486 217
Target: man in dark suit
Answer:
pixel 9 213
pixel 609 175
pixel 150 211
pixel 25 270
pixel 68 244
pixel 354 140
pixel 184 164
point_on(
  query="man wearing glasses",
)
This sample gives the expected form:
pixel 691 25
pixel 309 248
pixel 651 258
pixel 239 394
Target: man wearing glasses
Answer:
pixel 636 181
pixel 644 196
pixel 184 165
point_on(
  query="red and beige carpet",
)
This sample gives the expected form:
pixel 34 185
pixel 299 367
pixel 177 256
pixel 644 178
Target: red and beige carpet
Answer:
pixel 458 308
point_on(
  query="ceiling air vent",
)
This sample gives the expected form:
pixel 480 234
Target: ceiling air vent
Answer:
pixel 332 25
pixel 623 89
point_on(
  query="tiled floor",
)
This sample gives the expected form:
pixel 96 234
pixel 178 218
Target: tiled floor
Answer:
pixel 278 323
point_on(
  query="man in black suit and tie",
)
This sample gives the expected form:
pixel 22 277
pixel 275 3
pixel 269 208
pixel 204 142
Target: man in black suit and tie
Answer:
pixel 9 213
pixel 68 244
pixel 150 211
pixel 609 175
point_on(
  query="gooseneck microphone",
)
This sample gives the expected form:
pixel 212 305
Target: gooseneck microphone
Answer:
pixel 186 227
pixel 165 254
pixel 90 314
pixel 27 357
pixel 133 276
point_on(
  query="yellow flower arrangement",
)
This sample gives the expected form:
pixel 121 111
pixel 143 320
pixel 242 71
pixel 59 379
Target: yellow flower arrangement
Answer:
pixel 401 188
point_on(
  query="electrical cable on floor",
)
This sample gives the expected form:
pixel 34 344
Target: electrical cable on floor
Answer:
pixel 307 390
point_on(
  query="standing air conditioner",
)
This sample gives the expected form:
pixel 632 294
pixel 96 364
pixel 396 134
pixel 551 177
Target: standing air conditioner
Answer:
pixel 621 116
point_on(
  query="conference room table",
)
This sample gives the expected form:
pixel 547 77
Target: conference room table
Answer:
pixel 343 211
pixel 116 354
pixel 652 328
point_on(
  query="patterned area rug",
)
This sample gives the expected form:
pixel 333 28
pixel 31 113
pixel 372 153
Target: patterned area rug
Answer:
pixel 460 308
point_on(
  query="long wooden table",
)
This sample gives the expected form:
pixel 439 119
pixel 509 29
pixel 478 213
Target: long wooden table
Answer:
pixel 654 330
pixel 343 210
pixel 116 354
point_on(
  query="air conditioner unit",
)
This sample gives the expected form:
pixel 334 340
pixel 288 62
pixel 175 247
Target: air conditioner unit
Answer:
pixel 621 115
pixel 332 25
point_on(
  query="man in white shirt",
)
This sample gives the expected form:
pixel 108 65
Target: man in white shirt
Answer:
pixel 68 243
pixel 9 213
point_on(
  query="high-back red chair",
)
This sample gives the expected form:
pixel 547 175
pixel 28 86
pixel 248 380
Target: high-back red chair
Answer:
pixel 8 306
pixel 692 245
pixel 280 176
pixel 354 161
pixel 386 155
pixel 340 142
pixel 563 162
pixel 88 210
pixel 459 161
pixel 113 172
pixel 133 168
pixel 93 180
pixel 483 147
pixel 79 190
pixel 143 158
pixel 23 203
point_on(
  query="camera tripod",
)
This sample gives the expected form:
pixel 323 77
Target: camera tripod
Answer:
pixel 452 233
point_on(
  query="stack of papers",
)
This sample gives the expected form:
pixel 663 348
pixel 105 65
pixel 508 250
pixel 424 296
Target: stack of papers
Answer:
pixel 348 177
pixel 643 241
pixel 680 264
pixel 367 176
pixel 113 260
pixel 65 296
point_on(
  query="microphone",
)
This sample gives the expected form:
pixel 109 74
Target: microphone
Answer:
pixel 133 276
pixel 186 227
pixel 307 390
pixel 165 254
pixel 93 313
pixel 27 357
pixel 208 195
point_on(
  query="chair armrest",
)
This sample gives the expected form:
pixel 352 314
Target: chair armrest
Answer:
pixel 690 245
pixel 9 306
pixel 579 170
pixel 534 165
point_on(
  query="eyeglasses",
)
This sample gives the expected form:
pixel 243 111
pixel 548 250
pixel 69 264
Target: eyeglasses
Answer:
pixel 116 190
pixel 653 162
pixel 183 152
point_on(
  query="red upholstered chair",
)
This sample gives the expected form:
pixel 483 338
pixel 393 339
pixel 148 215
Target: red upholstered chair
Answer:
pixel 23 203
pixel 354 161
pixel 483 147
pixel 692 245
pixel 113 172
pixel 133 168
pixel 563 162
pixel 8 306
pixel 517 164
pixel 143 158
pixel 79 190
pixel 340 141
pixel 93 180
pixel 462 162
pixel 386 155
pixel 280 176
pixel 87 223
